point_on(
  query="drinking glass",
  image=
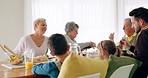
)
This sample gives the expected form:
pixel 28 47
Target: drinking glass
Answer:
pixel 29 55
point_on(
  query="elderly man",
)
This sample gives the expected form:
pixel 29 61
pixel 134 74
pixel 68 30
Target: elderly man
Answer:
pixel 71 30
pixel 129 31
pixel 130 36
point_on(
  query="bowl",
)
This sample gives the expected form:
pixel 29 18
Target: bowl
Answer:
pixel 14 59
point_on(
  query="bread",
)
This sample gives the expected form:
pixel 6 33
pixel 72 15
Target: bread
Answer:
pixel 39 59
pixel 16 60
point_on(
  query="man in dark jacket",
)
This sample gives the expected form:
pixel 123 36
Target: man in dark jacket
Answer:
pixel 140 18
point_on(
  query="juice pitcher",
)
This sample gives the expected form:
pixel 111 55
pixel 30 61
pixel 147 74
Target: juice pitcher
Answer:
pixel 74 47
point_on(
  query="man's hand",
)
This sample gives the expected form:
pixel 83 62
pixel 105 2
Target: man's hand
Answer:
pixel 111 36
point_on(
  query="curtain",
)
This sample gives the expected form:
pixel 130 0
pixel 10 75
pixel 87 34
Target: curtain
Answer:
pixel 132 4
pixel 96 18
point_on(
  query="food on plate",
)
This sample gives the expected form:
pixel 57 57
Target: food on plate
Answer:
pixel 39 59
pixel 17 59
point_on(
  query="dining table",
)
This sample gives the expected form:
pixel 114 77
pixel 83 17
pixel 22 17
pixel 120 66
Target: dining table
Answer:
pixel 17 72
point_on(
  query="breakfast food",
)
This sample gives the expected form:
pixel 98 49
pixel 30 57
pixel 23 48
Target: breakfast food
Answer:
pixel 16 59
pixel 39 59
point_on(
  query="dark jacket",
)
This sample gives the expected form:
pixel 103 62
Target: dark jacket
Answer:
pixel 141 53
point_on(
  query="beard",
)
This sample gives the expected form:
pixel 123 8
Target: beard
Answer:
pixel 138 29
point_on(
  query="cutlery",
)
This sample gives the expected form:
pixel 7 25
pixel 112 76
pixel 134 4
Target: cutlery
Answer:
pixel 2 48
pixel 6 52
pixel 9 50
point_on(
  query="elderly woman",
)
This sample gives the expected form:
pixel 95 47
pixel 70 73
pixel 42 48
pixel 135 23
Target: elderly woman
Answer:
pixel 36 41
pixel 71 30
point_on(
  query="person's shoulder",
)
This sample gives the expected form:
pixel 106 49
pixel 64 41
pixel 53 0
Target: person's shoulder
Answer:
pixel 127 57
pixel 65 35
pixel 25 37
pixel 144 33
pixel 124 60
pixel 121 58
pixel 144 30
pixel 51 64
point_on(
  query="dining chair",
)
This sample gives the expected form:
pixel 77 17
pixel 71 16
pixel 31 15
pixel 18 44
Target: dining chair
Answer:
pixel 97 75
pixel 122 72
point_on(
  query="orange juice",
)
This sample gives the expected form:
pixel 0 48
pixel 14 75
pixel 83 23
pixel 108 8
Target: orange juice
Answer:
pixel 29 65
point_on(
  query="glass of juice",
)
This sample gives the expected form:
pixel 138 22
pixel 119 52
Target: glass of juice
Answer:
pixel 28 56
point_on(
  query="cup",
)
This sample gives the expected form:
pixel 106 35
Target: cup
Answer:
pixel 28 56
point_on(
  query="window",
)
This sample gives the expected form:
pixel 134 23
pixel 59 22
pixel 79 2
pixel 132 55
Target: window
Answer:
pixel 96 18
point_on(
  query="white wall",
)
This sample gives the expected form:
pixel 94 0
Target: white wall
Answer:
pixel 11 23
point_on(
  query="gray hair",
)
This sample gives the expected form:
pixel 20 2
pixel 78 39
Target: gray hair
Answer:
pixel 129 21
pixel 38 20
pixel 70 26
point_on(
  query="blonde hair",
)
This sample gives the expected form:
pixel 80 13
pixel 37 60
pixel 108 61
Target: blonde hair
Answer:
pixel 38 20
